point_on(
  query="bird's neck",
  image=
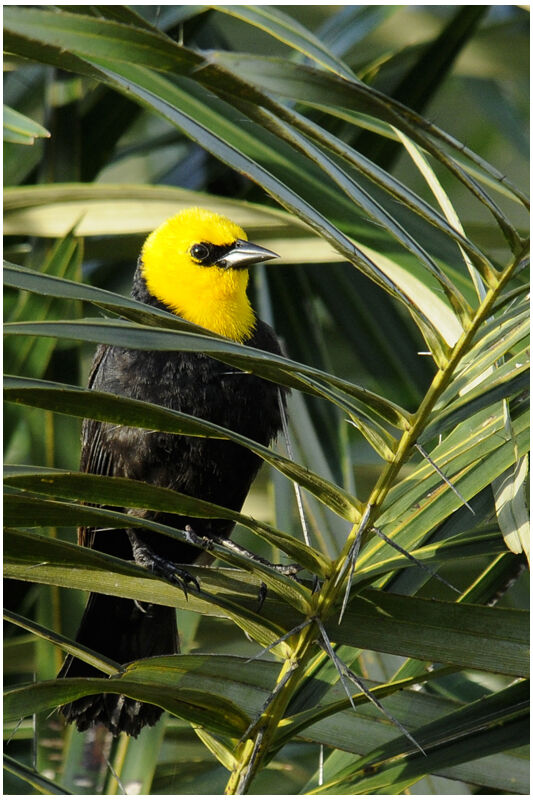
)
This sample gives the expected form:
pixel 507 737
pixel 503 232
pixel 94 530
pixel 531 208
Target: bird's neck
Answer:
pixel 224 309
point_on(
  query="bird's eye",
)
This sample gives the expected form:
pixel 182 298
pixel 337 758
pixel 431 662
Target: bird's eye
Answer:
pixel 199 251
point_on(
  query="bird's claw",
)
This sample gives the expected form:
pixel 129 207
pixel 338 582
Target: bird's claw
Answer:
pixel 175 575
pixel 261 595
pixel 291 570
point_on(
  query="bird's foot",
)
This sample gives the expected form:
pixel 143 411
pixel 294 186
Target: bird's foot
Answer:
pixel 172 573
pixel 206 543
pixel 289 570
pixel 261 595
pixel 166 569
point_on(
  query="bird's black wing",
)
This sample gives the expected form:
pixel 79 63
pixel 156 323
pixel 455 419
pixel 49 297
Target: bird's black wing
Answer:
pixel 95 457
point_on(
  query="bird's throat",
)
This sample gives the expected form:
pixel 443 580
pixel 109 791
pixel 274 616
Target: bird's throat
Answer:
pixel 229 314
pixel 214 298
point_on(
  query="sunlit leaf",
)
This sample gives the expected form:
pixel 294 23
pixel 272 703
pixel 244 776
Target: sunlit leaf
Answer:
pixel 21 129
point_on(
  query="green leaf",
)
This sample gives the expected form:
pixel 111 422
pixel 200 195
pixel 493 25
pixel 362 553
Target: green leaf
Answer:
pixel 479 729
pixel 506 771
pixel 364 200
pixel 51 286
pixel 165 98
pixel 270 366
pixel 89 656
pixel 375 434
pixel 32 777
pixel 485 355
pixel 313 717
pixel 392 186
pixel 33 355
pixel 222 753
pixel 453 550
pixel 369 123
pixel 98 36
pixel 98 209
pixel 416 86
pixel 287 30
pixel 194 705
pixel 162 97
pixel 436 631
pixel 306 84
pixel 21 129
pixel 67 513
pixel 100 39
pixel 471 456
pixel 152 104
pixel 504 381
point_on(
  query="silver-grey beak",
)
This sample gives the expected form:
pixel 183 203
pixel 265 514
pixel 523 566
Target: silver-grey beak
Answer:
pixel 243 253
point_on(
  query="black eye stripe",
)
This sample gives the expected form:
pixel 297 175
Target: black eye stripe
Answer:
pixel 208 254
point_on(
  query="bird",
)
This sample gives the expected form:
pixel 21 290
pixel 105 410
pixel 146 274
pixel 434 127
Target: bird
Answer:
pixel 194 265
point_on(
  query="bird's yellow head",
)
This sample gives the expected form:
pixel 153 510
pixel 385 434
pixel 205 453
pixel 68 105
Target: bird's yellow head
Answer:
pixel 196 263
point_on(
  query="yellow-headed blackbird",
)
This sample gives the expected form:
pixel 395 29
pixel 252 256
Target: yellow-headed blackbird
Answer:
pixel 194 265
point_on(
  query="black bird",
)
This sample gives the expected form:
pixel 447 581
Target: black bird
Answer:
pixel 194 265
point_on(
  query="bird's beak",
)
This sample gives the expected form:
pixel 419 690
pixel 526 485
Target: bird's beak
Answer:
pixel 242 254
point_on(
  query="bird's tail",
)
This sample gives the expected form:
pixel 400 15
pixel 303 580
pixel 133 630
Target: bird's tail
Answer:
pixel 124 631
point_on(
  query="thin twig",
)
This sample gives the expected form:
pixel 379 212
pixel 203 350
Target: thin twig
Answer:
pixel 281 639
pixel 374 700
pixel 272 695
pixel 15 729
pixel 415 560
pixel 346 564
pixel 297 490
pixel 114 773
pixel 336 661
pixel 443 476
pixel 344 671
pixel 351 560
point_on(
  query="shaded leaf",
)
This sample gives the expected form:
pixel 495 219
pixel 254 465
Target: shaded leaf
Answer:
pixel 194 705
pixel 268 365
pixel 32 777
pixel 478 729
pixel 45 512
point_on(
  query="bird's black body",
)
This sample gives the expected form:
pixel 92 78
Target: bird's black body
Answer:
pixel 211 469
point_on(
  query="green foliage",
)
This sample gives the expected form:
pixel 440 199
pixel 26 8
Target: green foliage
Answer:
pixel 401 298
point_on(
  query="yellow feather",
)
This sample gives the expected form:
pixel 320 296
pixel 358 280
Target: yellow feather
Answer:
pixel 209 296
